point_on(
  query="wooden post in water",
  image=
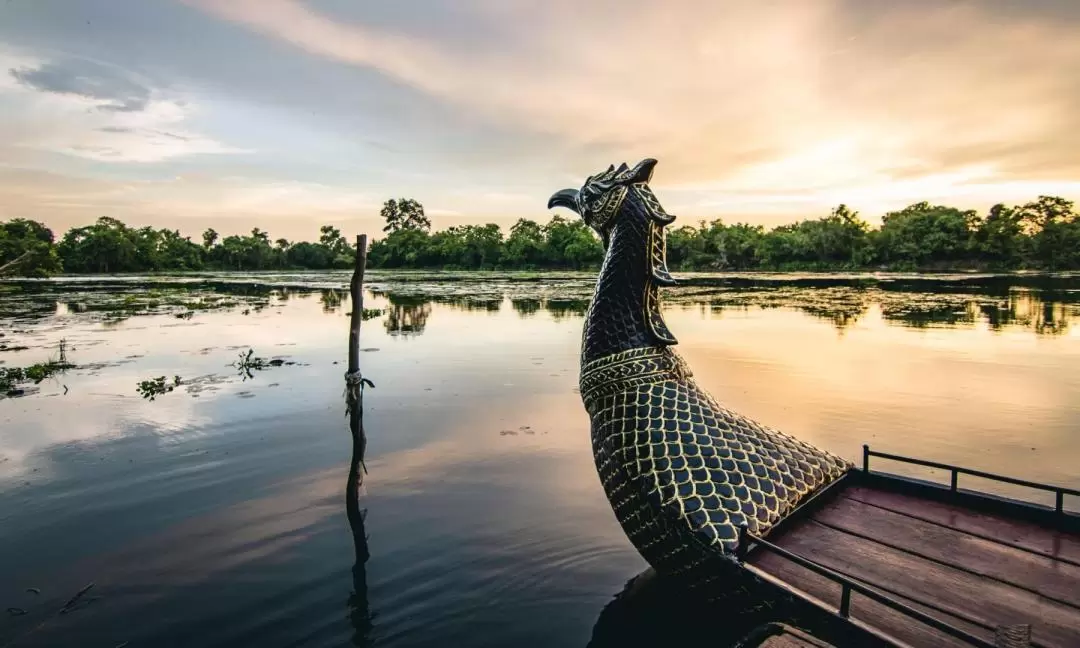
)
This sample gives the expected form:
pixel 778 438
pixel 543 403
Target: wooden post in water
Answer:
pixel 354 381
pixel 359 610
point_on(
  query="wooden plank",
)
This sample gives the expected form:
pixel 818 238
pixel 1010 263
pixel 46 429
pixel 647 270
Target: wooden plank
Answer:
pixel 1057 544
pixel 781 635
pixel 889 621
pixel 960 593
pixel 1038 573
pixel 792 640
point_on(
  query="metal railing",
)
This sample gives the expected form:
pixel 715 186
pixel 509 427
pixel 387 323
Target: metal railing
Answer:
pixel 847 586
pixel 955 471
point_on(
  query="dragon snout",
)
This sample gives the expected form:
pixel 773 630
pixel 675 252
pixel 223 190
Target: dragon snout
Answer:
pixel 565 198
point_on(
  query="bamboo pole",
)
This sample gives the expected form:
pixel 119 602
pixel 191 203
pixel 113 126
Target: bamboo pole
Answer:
pixel 359 609
pixel 356 289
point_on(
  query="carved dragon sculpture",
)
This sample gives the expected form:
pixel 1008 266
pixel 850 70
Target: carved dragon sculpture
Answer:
pixel 681 472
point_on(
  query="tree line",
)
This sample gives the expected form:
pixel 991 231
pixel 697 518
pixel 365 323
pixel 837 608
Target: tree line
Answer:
pixel 1043 234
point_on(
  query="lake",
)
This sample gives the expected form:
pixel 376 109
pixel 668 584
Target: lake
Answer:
pixel 214 514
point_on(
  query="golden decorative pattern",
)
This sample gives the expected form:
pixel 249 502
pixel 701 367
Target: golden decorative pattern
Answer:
pixel 682 472
pixel 602 217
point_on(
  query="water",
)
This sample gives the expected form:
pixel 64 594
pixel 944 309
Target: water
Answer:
pixel 214 515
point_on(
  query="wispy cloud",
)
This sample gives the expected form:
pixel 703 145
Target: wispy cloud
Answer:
pixel 783 95
pixel 765 111
pixel 90 110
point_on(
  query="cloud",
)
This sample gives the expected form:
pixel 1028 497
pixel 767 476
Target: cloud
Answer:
pixel 89 110
pixel 192 202
pixel 784 96
pixel 115 90
pixel 759 111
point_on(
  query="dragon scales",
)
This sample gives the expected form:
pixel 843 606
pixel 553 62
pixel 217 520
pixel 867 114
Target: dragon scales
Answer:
pixel 681 472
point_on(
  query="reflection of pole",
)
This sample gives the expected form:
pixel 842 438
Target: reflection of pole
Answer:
pixel 359 611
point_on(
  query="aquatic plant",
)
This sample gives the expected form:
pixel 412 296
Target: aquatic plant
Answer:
pixel 151 389
pixel 12 377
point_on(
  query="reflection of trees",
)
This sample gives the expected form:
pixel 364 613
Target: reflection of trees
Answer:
pixel 1021 308
pixel 841 302
pixel 923 311
pixel 331 300
pixel 1043 312
pixel 560 309
pixel 407 316
pixel 526 307
pixel 1030 309
pixel 472 302
pixel 842 306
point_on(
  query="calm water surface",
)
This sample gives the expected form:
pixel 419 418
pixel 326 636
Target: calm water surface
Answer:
pixel 214 515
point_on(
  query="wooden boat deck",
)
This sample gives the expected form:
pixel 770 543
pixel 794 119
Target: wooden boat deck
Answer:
pixel 973 569
pixel 780 635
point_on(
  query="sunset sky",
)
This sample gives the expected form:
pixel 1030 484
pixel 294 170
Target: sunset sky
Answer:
pixel 288 114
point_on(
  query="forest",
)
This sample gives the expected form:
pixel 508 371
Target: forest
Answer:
pixel 1040 235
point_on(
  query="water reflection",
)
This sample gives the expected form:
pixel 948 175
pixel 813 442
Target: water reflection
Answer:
pixel 407 316
pixel 1041 305
pixel 558 308
pixel 526 307
pixel 331 300
pixel 1040 313
pixel 360 614
pixel 214 518
pixel 652 610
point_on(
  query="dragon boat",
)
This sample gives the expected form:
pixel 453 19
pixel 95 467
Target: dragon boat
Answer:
pixel 749 518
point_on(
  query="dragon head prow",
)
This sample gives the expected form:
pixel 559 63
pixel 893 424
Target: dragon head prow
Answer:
pixel 619 205
pixel 600 200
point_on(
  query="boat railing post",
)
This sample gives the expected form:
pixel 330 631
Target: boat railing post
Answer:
pixel 955 476
pixel 845 600
pixel 866 458
pixel 744 541
pixel 1059 505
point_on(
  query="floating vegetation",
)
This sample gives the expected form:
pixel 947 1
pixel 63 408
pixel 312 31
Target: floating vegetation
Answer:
pixel 249 362
pixel 151 389
pixel 11 378
pixel 371 313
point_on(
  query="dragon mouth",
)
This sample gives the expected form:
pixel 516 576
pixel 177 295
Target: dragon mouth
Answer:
pixel 567 198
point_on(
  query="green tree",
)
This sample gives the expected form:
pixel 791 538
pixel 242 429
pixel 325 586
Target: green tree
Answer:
pixel 404 214
pixel 1055 232
pixel 524 248
pixel 404 248
pixel 106 246
pixel 571 244
pixel 209 238
pixel 314 256
pixel 27 248
pixel 176 252
pixel 924 234
pixel 999 238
